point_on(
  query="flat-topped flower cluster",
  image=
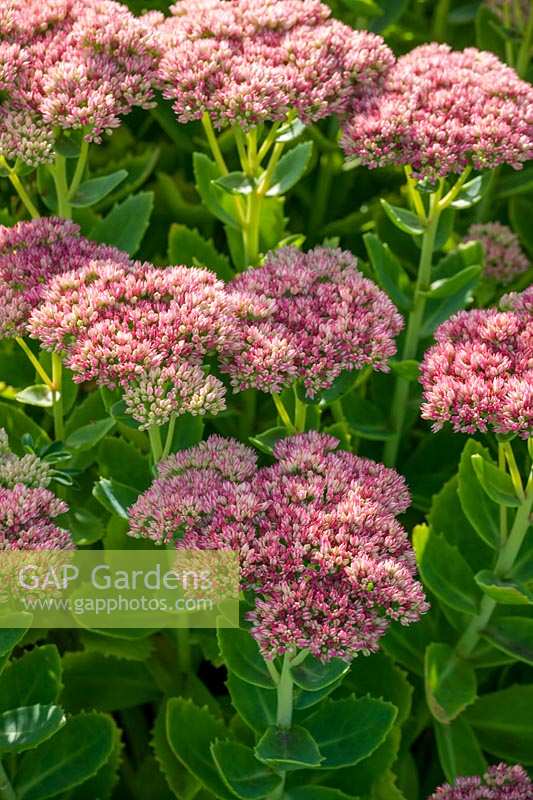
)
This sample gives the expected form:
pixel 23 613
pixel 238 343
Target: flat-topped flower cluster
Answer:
pixel 442 111
pixel 67 65
pixel 320 548
pixel 247 62
pixel 479 374
pixel 504 257
pixel 500 782
pixel 321 316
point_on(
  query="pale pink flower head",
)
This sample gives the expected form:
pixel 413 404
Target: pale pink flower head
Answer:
pixel 29 469
pixel 479 374
pixel 443 110
pixel 145 329
pixel 320 548
pixel 247 62
pixel 504 257
pixel 318 316
pixel 500 782
pixel 70 64
pixel 31 254
pixel 26 520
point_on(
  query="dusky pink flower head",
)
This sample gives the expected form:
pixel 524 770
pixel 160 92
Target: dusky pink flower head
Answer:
pixel 31 254
pixel 319 545
pixel 518 301
pixel 29 469
pixel 443 110
pixel 26 520
pixel 69 64
pixel 504 257
pixel 315 316
pixel 145 329
pixel 479 374
pixel 500 782
pixel 250 61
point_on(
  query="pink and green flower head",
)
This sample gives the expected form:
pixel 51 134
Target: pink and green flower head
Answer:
pixel 250 61
pixel 312 316
pixel 442 111
pixel 500 782
pixel 320 548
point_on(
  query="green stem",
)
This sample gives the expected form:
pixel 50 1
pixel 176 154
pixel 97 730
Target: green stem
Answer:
pixel 321 194
pixel 484 207
pixel 20 189
pixel 154 434
pixel 401 390
pixel 250 231
pixel 507 21
pixel 504 530
pixel 440 19
pixel 6 790
pixel 513 470
pixel 80 169
pixel 59 173
pixel 504 564
pixel 414 195
pixel 35 363
pixel 524 54
pixel 285 691
pixel 57 379
pixel 169 437
pixel 300 413
pixel 213 143
pixel 337 412
pixel 283 413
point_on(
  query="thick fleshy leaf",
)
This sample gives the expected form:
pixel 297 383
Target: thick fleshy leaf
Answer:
pixel 503 723
pixel 187 246
pixel 256 705
pixel 95 189
pixel 73 755
pixel 313 675
pixel 242 656
pixel 191 731
pixel 38 395
pixel 290 168
pixel 126 224
pixel 25 727
pixel 459 750
pixel 480 510
pixel 445 571
pixel 513 635
pixel 242 773
pixel 288 748
pixel 33 678
pixel 450 682
pixel 508 592
pixel 405 220
pixel 89 435
pixel 496 483
pixel 349 730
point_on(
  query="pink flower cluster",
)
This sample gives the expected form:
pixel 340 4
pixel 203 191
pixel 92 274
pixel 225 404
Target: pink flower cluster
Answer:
pixel 518 301
pixel 310 316
pixel 479 374
pixel 29 470
pixel 249 61
pixel 145 329
pixel 444 110
pixel 26 520
pixel 69 64
pixel 31 254
pixel 319 544
pixel 504 258
pixel 500 782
